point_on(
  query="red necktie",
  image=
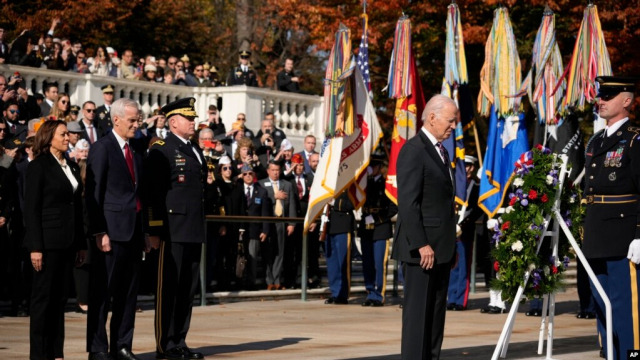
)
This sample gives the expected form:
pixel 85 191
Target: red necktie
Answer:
pixel 128 156
pixel 300 190
pixel 91 139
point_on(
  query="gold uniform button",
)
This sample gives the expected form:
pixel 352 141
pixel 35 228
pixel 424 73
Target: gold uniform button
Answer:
pixel 590 189
pixel 170 210
pixel 593 165
pixel 591 177
pixel 621 215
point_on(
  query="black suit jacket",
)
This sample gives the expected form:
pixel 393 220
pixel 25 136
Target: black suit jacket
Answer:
pixel 259 205
pixel 111 192
pixel 425 203
pixel 53 211
pixel 99 130
pixel 103 117
pixel 302 203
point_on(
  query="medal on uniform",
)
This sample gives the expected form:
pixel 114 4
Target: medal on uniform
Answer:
pixel 612 176
pixel 607 160
pixel 180 160
pixel 180 178
pixel 618 157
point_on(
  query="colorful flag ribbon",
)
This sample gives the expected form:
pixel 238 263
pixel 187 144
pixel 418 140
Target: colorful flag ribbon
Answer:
pixel 336 121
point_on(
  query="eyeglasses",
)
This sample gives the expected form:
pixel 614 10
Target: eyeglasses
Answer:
pixel 90 110
pixel 248 174
pixel 240 118
pixel 4 129
pixel 225 168
pixel 14 111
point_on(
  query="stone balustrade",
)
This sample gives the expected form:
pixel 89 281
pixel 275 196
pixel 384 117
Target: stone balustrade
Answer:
pixel 296 114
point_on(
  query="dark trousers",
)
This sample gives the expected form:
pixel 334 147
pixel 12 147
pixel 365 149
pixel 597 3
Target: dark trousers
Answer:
pixel 424 309
pixel 338 249
pixel 587 304
pixel 374 265
pixel 48 298
pixel 115 277
pixel 459 280
pixel 178 272
pixel 273 255
pixel 313 255
pixel 293 257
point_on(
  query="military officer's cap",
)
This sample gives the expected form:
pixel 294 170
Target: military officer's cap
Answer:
pixel 611 86
pixel 376 160
pixel 213 70
pixel 468 159
pixel 185 58
pixel 245 53
pixel 75 109
pixel 224 160
pixel 182 107
pixel 206 66
pixel 107 89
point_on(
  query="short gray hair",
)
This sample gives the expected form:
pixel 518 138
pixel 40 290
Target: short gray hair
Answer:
pixel 204 132
pixel 118 107
pixel 436 104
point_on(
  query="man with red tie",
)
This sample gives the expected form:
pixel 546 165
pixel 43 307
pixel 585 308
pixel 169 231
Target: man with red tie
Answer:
pixel 114 172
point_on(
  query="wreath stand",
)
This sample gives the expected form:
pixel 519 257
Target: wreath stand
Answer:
pixel 549 299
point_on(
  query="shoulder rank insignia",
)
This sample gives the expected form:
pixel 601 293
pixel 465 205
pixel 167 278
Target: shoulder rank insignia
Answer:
pixel 158 142
pixel 636 130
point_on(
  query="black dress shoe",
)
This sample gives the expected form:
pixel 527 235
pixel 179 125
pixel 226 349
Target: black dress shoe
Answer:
pixel 192 354
pixel 367 302
pixel 534 312
pixel 100 356
pixel 586 315
pixel 376 303
pixel 450 306
pixel 124 354
pixel 457 307
pixel 330 300
pixel 340 301
pixel 493 310
pixel 172 354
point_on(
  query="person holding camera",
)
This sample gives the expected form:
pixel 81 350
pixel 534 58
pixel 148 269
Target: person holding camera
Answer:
pixel 268 139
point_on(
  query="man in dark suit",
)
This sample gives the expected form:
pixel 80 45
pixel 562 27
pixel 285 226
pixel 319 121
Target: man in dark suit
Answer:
pixel 177 173
pixel 301 184
pixel 50 92
pixel 103 112
pixel 114 172
pixel 254 201
pixel 91 131
pixel 309 149
pixel 284 204
pixel 426 229
pixel 11 115
pixel 4 49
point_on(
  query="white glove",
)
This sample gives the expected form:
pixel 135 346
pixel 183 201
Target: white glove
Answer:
pixel 634 251
pixel 458 231
pixel 369 220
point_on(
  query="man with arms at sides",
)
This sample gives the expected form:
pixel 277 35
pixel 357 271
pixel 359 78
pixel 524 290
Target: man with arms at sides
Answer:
pixel 50 91
pixel 611 224
pixel 103 112
pixel 177 173
pixel 426 230
pixel 314 159
pixel 114 172
pixel 309 149
pixel 282 197
pixel 92 131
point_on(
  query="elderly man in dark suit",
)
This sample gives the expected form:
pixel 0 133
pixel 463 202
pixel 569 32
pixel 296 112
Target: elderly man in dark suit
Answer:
pixel 114 172
pixel 426 229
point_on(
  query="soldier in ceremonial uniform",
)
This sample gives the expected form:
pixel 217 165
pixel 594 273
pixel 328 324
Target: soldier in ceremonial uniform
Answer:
pixel 243 74
pixel 103 112
pixel 338 248
pixel 611 226
pixel 177 181
pixel 375 231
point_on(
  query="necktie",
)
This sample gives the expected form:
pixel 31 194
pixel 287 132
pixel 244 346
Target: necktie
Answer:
pixel 248 195
pixel 91 138
pixel 278 209
pixel 128 156
pixel 443 152
pixel 13 129
pixel 300 190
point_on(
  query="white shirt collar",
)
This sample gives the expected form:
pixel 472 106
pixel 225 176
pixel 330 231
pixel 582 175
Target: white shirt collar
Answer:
pixel 430 136
pixel 181 138
pixel 50 102
pixel 121 141
pixel 610 130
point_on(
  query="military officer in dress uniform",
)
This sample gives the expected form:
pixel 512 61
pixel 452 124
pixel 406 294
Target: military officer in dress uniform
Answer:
pixel 177 180
pixel 103 112
pixel 375 231
pixel 243 74
pixel 611 225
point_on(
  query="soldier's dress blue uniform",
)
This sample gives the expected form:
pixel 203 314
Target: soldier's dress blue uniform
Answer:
pixel 375 239
pixel 338 249
pixel 612 186
pixel 176 186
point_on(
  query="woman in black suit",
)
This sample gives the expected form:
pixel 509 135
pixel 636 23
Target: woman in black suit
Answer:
pixel 54 235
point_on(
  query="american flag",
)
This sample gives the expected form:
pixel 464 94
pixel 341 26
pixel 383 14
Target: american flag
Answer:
pixel 363 55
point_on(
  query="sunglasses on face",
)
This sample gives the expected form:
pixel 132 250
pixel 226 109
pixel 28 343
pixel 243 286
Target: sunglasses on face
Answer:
pixel 172 63
pixel 64 102
pixel 4 129
pixel 225 168
pixel 248 174
pixel 90 110
pixel 607 97
pixel 14 111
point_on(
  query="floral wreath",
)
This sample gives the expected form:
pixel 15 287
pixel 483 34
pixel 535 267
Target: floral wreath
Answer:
pixel 518 230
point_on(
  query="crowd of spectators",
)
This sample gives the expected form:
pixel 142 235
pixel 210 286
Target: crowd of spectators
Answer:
pixel 50 52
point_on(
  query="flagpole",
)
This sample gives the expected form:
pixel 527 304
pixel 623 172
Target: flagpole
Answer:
pixel 475 135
